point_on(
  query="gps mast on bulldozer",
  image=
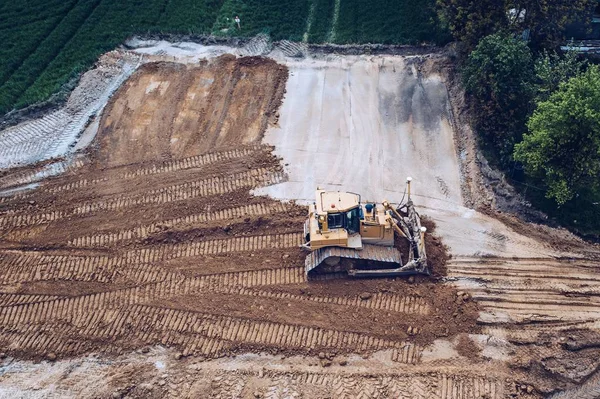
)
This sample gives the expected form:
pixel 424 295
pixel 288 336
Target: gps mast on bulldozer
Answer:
pixel 345 235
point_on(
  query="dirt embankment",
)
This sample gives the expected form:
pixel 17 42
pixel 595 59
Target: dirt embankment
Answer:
pixel 169 110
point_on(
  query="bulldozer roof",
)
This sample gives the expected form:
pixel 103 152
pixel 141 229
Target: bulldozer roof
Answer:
pixel 336 201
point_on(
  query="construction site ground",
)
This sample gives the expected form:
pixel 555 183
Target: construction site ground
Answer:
pixel 156 251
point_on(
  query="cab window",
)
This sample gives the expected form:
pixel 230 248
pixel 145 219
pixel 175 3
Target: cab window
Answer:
pixel 335 220
pixel 353 221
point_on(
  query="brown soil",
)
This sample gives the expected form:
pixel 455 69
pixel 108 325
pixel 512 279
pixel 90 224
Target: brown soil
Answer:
pixel 157 240
pixel 437 252
pixel 467 348
pixel 169 110
pixel 558 239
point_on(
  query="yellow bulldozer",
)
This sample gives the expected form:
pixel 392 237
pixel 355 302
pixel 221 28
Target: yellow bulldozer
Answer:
pixel 344 235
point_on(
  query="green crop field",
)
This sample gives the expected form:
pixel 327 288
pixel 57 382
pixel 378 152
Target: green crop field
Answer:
pixel 47 43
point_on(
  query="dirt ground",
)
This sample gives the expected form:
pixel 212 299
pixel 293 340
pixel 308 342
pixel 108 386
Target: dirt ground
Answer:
pixel 161 239
pixel 153 267
pixel 170 110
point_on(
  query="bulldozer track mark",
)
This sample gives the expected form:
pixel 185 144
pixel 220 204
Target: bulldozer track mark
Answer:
pixel 227 385
pixel 254 278
pixel 409 353
pixel 97 316
pixel 30 266
pixel 145 231
pixel 403 386
pixel 195 161
pixel 16 299
pixel 164 167
pixel 177 192
pixel 216 247
pixel 103 269
pixel 26 220
pixel 251 278
pixel 239 283
pixel 536 296
pixel 590 389
pixel 452 387
pixel 380 301
pixel 76 185
pixel 585 272
pixel 531 290
pixel 255 332
pixel 73 309
pixel 443 186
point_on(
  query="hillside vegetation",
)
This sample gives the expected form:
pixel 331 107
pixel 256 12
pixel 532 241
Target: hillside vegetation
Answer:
pixel 534 106
pixel 48 43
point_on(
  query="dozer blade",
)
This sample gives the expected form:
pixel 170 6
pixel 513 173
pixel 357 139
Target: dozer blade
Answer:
pixel 411 268
pixel 371 261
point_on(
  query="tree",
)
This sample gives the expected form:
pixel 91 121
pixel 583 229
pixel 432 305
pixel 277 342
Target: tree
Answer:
pixel 551 69
pixel 499 76
pixel 470 20
pixel 563 143
pixel 546 20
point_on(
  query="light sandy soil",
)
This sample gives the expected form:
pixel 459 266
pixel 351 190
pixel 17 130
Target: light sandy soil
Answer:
pixel 158 374
pixel 152 238
pixel 364 124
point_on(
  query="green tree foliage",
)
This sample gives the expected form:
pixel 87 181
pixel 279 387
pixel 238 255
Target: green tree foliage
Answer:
pixel 563 143
pixel 547 19
pixel 499 76
pixel 552 69
pixel 471 20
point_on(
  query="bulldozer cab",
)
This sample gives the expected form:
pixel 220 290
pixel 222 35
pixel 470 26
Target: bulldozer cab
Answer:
pixel 338 210
pixel 348 220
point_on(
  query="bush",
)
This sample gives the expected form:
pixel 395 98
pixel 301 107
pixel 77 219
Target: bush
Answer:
pixel 563 143
pixel 499 77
